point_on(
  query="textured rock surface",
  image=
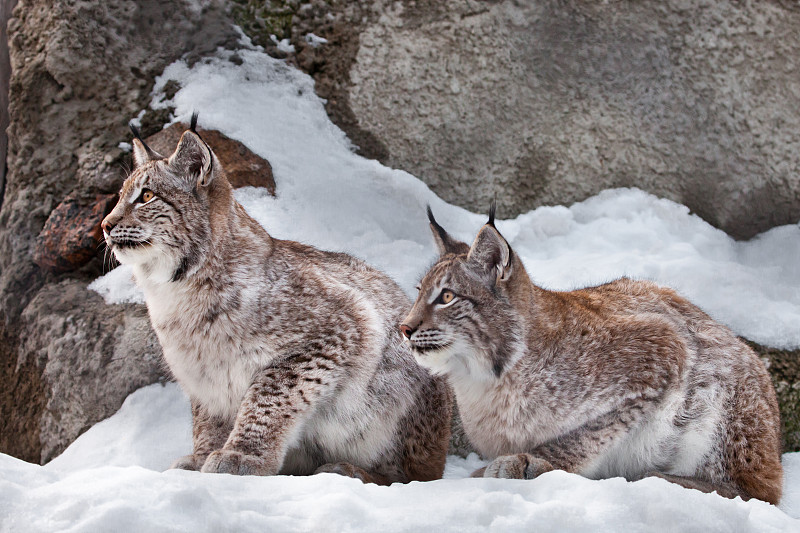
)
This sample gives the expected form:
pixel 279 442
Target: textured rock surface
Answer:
pixel 784 367
pixel 80 71
pixel 5 75
pixel 550 102
pixel 91 356
pixel 72 235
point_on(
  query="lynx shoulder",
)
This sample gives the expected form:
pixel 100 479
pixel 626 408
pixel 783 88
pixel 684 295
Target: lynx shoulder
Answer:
pixel 290 355
pixel 624 379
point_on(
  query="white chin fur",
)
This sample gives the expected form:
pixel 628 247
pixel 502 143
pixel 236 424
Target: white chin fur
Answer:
pixel 149 263
pixel 457 360
pixel 436 361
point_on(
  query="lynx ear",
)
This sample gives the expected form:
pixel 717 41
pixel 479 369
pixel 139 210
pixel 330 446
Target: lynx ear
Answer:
pixel 444 242
pixel 193 158
pixel 141 152
pixel 490 252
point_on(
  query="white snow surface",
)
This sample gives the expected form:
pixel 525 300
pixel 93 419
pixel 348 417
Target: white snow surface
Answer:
pixel 315 40
pixel 112 478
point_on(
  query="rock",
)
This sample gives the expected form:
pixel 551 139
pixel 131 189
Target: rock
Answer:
pixel 784 367
pixel 242 166
pixel 90 356
pixel 5 75
pixel 72 236
pixel 537 103
pixel 542 103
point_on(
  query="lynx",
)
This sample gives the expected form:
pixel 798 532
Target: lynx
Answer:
pixel 624 379
pixel 290 355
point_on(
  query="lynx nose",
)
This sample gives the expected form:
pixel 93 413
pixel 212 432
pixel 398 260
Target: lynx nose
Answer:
pixel 407 330
pixel 107 225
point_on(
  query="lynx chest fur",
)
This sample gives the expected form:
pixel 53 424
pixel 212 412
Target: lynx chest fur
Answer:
pixel 289 354
pixel 624 379
pixel 218 333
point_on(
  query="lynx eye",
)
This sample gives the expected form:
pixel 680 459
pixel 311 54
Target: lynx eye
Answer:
pixel 146 196
pixel 445 297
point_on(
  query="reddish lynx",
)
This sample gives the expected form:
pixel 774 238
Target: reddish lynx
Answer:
pixel 290 355
pixel 625 379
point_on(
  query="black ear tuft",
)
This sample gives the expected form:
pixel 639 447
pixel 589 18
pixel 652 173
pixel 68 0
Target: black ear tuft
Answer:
pixel 444 242
pixel 193 123
pixel 432 220
pixel 135 131
pixel 492 209
pixel 145 153
pixel 439 229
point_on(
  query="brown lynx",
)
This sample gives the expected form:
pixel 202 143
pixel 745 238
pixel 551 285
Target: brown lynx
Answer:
pixel 290 355
pixel 624 379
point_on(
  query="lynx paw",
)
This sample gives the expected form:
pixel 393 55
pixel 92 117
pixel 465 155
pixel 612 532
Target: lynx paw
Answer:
pixel 233 462
pixel 518 466
pixel 345 469
pixel 187 462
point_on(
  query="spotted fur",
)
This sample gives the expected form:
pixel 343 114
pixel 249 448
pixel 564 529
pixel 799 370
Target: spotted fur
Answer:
pixel 624 379
pixel 290 355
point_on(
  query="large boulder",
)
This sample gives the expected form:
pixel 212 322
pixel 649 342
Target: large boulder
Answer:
pixel 91 356
pixel 550 102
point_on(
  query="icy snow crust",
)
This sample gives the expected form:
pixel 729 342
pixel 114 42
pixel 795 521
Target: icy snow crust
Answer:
pixel 111 478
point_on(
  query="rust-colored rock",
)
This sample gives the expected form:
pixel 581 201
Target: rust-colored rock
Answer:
pixel 242 166
pixel 72 234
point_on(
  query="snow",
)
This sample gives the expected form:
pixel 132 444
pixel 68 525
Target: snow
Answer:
pixel 112 477
pixel 284 45
pixel 315 40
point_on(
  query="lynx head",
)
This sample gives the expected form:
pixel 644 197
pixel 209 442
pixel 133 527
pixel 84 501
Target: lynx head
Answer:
pixel 162 222
pixel 464 321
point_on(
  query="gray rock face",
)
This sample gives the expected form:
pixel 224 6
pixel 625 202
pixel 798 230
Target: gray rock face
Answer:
pixel 91 356
pixel 5 75
pixel 80 71
pixel 550 102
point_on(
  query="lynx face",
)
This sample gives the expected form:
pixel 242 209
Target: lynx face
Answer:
pixel 463 321
pixel 161 222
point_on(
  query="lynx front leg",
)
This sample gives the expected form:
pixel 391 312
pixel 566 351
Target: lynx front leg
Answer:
pixel 208 434
pixel 574 451
pixel 269 417
pixel 578 449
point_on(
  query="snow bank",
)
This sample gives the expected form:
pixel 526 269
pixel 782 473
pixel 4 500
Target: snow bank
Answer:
pixel 109 478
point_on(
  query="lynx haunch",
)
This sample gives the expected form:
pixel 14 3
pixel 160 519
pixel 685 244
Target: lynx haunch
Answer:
pixel 624 379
